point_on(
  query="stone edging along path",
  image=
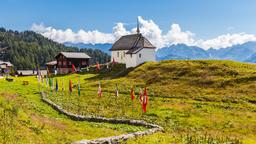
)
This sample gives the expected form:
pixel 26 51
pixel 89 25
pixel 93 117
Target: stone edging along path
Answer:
pixel 153 128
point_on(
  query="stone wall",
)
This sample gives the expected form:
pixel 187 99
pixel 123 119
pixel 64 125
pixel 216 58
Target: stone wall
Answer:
pixel 153 128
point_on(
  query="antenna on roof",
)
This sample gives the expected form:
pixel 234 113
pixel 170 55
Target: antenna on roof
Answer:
pixel 138 26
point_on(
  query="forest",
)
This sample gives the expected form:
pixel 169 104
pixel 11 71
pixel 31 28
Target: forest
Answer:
pixel 28 50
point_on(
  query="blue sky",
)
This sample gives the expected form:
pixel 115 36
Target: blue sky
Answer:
pixel 207 19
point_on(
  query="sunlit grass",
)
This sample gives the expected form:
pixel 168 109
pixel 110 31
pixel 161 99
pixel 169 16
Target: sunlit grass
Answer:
pixel 198 100
pixel 194 101
pixel 25 118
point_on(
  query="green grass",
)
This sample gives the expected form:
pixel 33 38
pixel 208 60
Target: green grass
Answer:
pixel 203 101
pixel 24 118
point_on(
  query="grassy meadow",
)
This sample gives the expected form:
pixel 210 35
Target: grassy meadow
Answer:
pixel 204 101
pixel 24 118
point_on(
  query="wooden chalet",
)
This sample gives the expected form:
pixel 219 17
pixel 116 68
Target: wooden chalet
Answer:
pixel 65 60
pixel 51 66
pixel 5 67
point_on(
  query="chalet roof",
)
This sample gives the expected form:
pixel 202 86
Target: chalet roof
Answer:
pixel 132 43
pixel 6 63
pixel 31 72
pixel 77 55
pixel 51 63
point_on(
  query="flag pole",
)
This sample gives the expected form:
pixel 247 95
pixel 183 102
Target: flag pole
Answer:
pixel 78 93
pixel 62 86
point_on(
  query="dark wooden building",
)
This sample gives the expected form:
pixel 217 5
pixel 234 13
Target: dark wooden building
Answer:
pixel 5 67
pixel 51 66
pixel 66 59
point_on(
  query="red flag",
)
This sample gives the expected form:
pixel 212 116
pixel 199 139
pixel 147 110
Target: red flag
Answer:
pixel 98 66
pixel 70 86
pixel 132 94
pixel 113 61
pixel 145 100
pixel 73 68
pixel 99 91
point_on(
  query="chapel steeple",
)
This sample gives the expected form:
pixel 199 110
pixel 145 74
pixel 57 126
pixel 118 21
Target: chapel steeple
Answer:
pixel 138 26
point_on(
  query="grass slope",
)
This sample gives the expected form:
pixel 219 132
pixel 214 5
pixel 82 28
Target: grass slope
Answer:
pixel 24 118
pixel 204 101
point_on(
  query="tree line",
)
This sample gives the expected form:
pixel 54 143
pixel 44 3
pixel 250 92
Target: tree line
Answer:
pixel 28 50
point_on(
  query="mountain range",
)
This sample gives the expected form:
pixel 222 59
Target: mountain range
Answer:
pixel 243 52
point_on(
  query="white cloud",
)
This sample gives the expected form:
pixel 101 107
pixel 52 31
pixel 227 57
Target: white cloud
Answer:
pixel 119 30
pixel 149 29
pixel 175 36
pixel 68 35
pixel 226 40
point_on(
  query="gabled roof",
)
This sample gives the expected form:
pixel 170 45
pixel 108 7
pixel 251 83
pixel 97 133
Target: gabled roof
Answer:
pixel 134 50
pixel 78 55
pixel 6 63
pixel 51 63
pixel 132 43
pixel 31 72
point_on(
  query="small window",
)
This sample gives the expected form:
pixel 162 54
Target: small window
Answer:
pixel 64 63
pixel 117 54
pixel 139 55
pixel 124 54
pixel 83 63
pixel 131 55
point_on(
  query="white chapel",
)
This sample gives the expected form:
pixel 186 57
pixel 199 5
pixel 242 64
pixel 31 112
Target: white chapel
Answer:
pixel 133 50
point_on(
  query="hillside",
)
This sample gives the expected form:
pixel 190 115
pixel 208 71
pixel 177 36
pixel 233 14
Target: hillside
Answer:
pixel 25 119
pixel 27 50
pixel 196 101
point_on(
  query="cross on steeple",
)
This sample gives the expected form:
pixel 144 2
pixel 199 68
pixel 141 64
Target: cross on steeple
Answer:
pixel 138 26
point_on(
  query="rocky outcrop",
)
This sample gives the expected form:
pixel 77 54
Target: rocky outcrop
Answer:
pixel 153 128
